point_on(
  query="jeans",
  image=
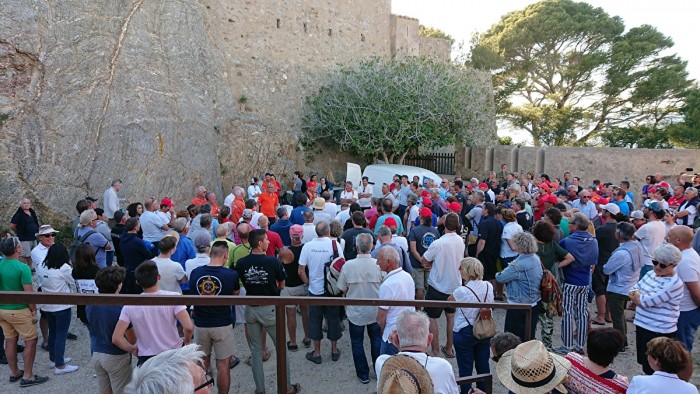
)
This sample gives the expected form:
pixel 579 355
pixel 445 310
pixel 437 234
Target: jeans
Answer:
pixel 470 351
pixel 515 323
pixel 617 303
pixel 688 323
pixel 258 317
pixel 388 348
pixel 358 349
pixel 58 332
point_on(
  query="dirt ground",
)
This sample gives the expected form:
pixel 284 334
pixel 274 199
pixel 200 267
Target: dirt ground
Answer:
pixel 337 377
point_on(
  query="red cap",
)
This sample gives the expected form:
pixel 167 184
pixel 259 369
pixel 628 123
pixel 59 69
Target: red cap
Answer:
pixel 602 201
pixel 167 201
pixel 425 193
pixel 454 206
pixel 482 185
pixel 544 187
pixel 550 198
pixel 390 222
pixel 652 190
pixel 425 212
pixel 427 202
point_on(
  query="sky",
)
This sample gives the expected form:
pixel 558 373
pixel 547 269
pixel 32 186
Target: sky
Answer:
pixel 461 19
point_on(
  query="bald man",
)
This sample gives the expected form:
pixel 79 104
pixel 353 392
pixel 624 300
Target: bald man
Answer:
pixel 688 270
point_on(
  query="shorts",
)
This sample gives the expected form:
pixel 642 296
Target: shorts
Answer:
pixel 420 278
pixel 18 322
pixel 220 338
pixel 296 291
pixel 490 266
pixel 27 247
pixel 434 295
pixel 599 281
pixel 113 372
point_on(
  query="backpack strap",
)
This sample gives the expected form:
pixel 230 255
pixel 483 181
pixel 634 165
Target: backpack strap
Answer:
pixel 86 236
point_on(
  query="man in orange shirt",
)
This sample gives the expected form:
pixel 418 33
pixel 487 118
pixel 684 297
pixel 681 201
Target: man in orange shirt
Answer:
pixel 199 199
pixel 238 204
pixel 269 202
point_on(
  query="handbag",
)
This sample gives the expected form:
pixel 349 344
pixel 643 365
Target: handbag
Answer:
pixel 484 326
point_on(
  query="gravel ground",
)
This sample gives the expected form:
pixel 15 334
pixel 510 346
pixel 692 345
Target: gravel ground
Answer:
pixel 338 377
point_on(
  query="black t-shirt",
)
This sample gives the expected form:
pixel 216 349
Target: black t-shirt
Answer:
pixel 259 273
pixel 491 230
pixel 350 251
pixel 423 236
pixel 117 231
pixel 607 242
pixel 27 225
pixel 292 269
pixel 524 220
pixel 212 281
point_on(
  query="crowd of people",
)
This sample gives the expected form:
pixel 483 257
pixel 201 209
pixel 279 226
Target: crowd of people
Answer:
pixel 499 239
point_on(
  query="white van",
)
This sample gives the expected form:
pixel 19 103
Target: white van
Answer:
pixel 384 173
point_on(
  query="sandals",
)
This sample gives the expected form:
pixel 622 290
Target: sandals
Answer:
pixel 292 348
pixel 45 346
pixel 18 377
pixel 296 387
pixel 444 352
pixel 306 342
pixel 266 356
pixel 33 382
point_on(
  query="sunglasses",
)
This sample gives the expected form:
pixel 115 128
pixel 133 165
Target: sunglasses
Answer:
pixel 209 382
pixel 662 266
pixel 52 235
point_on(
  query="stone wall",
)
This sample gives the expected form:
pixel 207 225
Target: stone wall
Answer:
pixel 437 49
pixel 606 164
pixel 168 95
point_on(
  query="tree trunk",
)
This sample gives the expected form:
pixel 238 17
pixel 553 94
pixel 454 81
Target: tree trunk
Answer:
pixel 401 159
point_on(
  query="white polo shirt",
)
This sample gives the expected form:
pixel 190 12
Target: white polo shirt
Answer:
pixel 445 252
pixel 398 285
pixel 314 255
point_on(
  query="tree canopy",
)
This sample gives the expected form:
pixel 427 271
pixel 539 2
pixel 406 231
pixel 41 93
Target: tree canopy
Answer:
pixel 386 109
pixel 433 32
pixel 569 73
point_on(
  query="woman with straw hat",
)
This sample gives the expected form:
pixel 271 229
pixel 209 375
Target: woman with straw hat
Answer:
pixel 531 369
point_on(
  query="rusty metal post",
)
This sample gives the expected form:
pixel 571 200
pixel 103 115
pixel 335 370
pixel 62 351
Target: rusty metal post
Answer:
pixel 528 324
pixel 281 346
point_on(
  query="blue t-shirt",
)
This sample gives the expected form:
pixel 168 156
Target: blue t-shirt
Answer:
pixel 98 243
pixel 212 281
pixel 102 320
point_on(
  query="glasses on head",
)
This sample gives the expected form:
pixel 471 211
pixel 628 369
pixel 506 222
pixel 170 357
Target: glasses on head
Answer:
pixel 52 235
pixel 209 381
pixel 661 265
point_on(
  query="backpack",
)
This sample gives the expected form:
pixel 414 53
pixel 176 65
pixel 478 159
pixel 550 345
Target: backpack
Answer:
pixel 332 273
pixel 484 326
pixel 77 242
pixel 550 293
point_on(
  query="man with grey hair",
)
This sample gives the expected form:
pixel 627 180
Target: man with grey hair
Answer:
pixel 111 201
pixel 309 227
pixel 361 278
pixel 623 269
pixel 585 205
pixel 314 256
pixel 199 199
pixel 577 277
pixel 412 337
pixel 172 371
pixel 385 239
pixel 397 285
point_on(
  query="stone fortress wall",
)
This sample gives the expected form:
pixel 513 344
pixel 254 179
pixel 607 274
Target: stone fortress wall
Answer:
pixel 168 95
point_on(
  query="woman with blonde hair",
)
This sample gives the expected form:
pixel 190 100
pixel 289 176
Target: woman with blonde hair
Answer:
pixel 469 350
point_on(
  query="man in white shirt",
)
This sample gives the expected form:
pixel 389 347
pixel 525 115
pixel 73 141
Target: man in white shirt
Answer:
pixel 412 337
pixel 254 190
pixel 110 201
pixel 442 258
pixel 361 278
pixel 314 255
pixel 397 285
pixel 152 225
pixel 232 196
pixel 46 237
pixel 349 195
pixel 309 227
pixel 364 194
pixel 330 208
pixel 688 269
pixel 318 208
pixel 651 235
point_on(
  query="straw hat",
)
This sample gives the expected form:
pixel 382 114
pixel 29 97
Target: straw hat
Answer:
pixel 319 203
pixel 404 374
pixel 531 369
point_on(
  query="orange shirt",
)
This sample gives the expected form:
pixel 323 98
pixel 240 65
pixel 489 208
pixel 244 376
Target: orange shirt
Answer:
pixel 214 210
pixel 237 208
pixel 199 201
pixel 268 202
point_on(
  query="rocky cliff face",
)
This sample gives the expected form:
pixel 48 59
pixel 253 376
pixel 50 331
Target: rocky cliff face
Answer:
pixel 91 91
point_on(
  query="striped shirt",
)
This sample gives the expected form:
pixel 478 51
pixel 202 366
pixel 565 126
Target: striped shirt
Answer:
pixel 660 303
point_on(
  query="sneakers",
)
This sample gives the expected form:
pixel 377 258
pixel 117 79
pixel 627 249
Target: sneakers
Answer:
pixel 66 360
pixel 33 382
pixel 72 337
pixel 67 369
pixel 363 380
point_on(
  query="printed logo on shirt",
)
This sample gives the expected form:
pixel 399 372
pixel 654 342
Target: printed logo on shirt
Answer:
pixel 427 239
pixel 255 276
pixel 209 285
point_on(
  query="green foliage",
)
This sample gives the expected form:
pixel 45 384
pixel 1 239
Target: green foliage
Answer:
pixel 687 133
pixel 433 32
pixel 507 140
pixel 3 118
pixel 569 74
pixel 384 109
pixel 636 137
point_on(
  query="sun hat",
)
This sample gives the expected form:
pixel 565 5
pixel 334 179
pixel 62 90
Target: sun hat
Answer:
pixel 319 203
pixel 531 369
pixel 404 374
pixel 46 229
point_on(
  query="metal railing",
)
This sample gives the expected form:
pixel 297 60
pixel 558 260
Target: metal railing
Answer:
pixel 440 163
pixel 18 297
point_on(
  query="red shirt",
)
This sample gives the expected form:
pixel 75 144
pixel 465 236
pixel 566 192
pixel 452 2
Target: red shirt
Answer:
pixel 275 243
pixel 199 201
pixel 237 208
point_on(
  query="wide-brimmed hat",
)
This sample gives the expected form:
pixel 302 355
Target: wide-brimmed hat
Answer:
pixel 531 369
pixel 404 374
pixel 319 203
pixel 46 229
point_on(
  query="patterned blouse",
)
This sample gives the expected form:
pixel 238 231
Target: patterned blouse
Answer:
pixel 582 381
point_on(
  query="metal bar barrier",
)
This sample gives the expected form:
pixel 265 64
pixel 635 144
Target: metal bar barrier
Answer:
pixel 19 297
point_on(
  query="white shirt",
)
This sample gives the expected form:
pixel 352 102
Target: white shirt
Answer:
pixel 321 216
pixel 440 370
pixel 348 195
pixel 398 240
pixel 253 221
pixel 651 235
pixel 367 201
pixel 692 211
pixel 343 216
pixel 509 230
pixel 110 200
pixel 56 281
pixel 331 209
pixel 164 216
pixel 688 270
pixel 314 255
pixel 38 256
pixel 445 252
pixel 398 285
pixel 659 382
pixel 253 192
pixel 484 293
pixel 229 200
pixel 199 260
pixel 170 274
pixel 309 232
pixel 412 216
pixel 151 225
